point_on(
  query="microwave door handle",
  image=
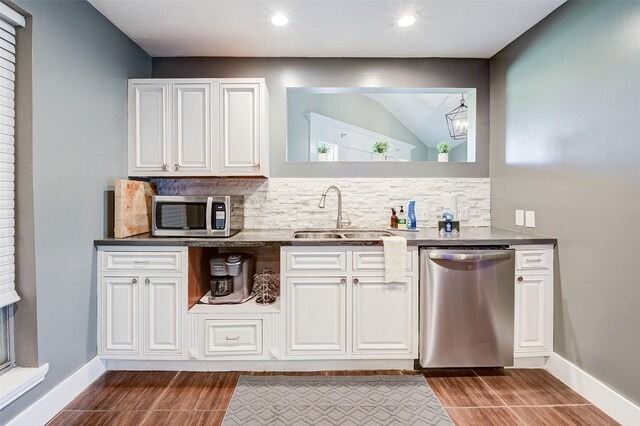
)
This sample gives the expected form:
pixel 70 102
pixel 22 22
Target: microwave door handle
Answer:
pixel 208 215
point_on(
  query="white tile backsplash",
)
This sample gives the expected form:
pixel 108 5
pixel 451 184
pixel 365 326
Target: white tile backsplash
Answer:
pixel 291 203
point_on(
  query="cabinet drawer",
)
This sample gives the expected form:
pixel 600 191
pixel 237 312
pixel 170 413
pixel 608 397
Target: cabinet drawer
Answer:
pixel 373 261
pixel 232 337
pixel 164 261
pixel 532 260
pixel 312 260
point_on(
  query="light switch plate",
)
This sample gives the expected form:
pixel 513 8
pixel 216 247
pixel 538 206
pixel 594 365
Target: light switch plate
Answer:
pixel 464 213
pixel 530 219
pixel 520 217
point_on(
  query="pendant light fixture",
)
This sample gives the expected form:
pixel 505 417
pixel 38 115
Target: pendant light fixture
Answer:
pixel 458 122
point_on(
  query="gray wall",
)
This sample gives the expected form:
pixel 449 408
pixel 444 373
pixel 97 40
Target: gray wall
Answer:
pixel 459 153
pixel 281 73
pixel 81 64
pixel 355 109
pixel 564 142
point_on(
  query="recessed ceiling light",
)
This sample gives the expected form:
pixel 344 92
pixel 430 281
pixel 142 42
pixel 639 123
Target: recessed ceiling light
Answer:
pixel 279 19
pixel 407 19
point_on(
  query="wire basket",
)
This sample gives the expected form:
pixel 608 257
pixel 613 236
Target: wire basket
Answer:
pixel 266 285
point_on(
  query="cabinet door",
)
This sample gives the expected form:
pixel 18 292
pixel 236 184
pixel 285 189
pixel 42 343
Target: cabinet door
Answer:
pixel 531 305
pixel 120 312
pixel 316 312
pixel 192 128
pixel 240 129
pixel 162 316
pixel 384 317
pixel 148 129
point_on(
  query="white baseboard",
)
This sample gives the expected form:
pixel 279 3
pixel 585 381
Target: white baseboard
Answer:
pixel 261 365
pixel 602 396
pixel 44 409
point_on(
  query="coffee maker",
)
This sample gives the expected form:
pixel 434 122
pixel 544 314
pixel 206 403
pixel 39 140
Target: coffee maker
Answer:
pixel 231 278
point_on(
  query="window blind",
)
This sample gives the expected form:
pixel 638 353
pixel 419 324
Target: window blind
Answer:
pixel 9 19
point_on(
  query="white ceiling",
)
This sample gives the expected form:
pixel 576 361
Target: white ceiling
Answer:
pixel 422 113
pixel 324 28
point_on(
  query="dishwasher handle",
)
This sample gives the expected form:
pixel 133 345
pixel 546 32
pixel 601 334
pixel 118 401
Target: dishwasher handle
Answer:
pixel 463 257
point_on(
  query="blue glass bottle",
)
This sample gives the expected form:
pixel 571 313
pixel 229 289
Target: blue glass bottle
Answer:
pixel 411 215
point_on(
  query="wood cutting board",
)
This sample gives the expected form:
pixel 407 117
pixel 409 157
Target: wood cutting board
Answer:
pixel 132 207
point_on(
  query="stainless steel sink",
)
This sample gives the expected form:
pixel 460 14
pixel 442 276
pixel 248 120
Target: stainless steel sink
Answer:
pixel 317 235
pixel 366 235
pixel 340 234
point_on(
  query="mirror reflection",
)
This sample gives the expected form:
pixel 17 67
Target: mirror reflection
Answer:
pixel 381 124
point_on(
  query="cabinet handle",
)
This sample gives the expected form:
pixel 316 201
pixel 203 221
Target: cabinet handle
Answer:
pixel 134 280
pixel 176 167
pixel 256 166
pixel 356 281
pixel 165 167
pixel 232 338
pixel 343 281
pixel 147 280
pixel 520 279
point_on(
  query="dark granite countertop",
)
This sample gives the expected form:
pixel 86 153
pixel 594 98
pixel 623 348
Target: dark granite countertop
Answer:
pixel 479 236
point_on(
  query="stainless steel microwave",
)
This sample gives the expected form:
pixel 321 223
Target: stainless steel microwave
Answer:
pixel 197 216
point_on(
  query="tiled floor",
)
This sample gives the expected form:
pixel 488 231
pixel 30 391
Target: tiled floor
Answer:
pixel 471 397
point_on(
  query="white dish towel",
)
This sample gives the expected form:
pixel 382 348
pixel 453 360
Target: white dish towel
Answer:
pixel 395 259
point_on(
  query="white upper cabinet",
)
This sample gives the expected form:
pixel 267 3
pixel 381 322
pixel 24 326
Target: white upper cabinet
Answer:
pixel 240 128
pixel 148 128
pixel 192 128
pixel 198 127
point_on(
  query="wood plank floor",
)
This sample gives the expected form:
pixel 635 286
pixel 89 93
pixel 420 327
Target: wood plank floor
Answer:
pixel 471 397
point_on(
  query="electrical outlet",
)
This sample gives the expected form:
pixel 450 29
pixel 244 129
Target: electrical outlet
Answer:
pixel 519 217
pixel 530 219
pixel 464 213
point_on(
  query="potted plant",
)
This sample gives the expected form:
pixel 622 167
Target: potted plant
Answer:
pixel 323 151
pixel 443 151
pixel 380 148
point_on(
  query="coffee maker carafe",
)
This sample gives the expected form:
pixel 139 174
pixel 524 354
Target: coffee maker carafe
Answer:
pixel 230 277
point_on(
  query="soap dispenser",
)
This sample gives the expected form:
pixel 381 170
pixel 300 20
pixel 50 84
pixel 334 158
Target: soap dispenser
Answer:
pixel 402 219
pixel 394 219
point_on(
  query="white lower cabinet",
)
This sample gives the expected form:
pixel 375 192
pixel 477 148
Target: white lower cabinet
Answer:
pixel 162 315
pixel 141 310
pixel 234 332
pixel 120 315
pixel 232 337
pixel 383 316
pixel 533 330
pixel 316 315
pixel 350 315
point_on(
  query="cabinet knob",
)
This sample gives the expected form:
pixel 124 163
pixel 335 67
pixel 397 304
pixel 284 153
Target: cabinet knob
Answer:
pixel 256 166
pixel 165 167
pixel 134 280
pixel 356 281
pixel 520 279
pixel 147 280
pixel 343 281
pixel 176 167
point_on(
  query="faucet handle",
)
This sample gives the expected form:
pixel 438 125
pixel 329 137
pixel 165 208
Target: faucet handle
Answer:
pixel 345 221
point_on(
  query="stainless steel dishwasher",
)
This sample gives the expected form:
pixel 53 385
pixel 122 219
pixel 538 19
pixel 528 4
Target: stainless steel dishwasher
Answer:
pixel 466 307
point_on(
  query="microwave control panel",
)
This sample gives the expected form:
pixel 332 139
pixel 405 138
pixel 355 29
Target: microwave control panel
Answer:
pixel 219 216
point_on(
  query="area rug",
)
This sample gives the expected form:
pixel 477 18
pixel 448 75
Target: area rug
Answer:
pixel 334 400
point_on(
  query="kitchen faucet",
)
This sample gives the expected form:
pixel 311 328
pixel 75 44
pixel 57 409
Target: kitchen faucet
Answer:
pixel 340 223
